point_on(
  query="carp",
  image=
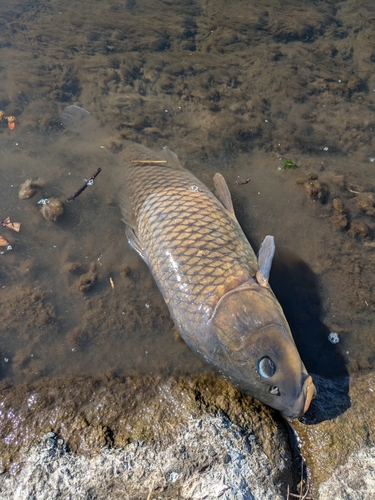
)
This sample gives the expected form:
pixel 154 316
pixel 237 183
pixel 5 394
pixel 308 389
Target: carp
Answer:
pixel 214 285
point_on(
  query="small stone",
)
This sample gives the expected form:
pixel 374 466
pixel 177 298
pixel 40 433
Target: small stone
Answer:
pixel 211 451
pixel 338 204
pixel 360 229
pixel 48 436
pixel 173 476
pixel 312 176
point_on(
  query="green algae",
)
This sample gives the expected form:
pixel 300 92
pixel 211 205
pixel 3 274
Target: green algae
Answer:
pixel 289 165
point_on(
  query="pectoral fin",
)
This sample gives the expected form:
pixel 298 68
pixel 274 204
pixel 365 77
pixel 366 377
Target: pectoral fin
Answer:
pixel 223 194
pixel 265 256
pixel 134 242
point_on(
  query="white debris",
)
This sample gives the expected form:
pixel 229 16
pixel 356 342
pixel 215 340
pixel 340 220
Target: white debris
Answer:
pixel 333 337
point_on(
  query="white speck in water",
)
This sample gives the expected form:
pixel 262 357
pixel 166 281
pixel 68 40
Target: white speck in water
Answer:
pixel 339 81
pixel 43 201
pixel 195 188
pixel 147 305
pixel 165 111
pixel 31 401
pixel 6 360
pixel 266 121
pixel 73 349
pixel 278 168
pixel 325 148
pixel 9 247
pixel 90 182
pixel 372 159
pixel 333 337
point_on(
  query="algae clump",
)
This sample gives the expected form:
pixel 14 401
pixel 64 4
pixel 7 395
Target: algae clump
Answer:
pixel 289 165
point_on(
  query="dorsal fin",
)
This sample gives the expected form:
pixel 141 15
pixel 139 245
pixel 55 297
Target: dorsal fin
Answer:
pixel 171 157
pixel 223 194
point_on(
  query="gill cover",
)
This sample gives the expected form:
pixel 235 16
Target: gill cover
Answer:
pixel 256 350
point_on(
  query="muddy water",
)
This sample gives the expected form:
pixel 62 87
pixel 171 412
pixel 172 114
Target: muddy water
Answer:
pixel 235 90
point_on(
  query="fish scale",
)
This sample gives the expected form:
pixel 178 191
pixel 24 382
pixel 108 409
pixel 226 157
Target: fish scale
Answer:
pixel 194 254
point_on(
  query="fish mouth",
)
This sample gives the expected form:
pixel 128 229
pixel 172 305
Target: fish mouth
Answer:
pixel 307 394
pixel 310 393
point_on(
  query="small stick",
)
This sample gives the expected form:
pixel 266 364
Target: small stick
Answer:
pixel 151 162
pixel 87 183
pixel 301 497
pixel 150 492
pixel 245 181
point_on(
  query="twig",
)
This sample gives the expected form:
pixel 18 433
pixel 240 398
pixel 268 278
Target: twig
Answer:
pixel 87 183
pixel 150 162
pixel 150 493
pixel 300 496
pixel 352 191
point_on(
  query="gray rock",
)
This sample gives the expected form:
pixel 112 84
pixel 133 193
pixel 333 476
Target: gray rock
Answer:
pixel 355 480
pixel 153 470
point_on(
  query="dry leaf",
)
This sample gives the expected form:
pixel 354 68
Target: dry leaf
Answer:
pixel 11 225
pixel 3 242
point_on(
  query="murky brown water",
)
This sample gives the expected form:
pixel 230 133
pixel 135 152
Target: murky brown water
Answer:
pixel 231 88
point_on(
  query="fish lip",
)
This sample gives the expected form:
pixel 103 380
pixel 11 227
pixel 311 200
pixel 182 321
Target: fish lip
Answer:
pixel 310 393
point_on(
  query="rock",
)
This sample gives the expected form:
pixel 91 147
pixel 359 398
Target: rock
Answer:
pixel 195 453
pixel 355 480
pixel 360 229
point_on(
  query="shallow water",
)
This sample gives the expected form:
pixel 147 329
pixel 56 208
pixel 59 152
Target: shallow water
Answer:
pixel 231 89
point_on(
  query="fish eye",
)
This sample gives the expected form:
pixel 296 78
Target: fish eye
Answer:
pixel 274 390
pixel 266 367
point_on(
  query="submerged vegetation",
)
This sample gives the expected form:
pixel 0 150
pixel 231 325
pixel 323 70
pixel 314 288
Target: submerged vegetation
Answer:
pixel 289 165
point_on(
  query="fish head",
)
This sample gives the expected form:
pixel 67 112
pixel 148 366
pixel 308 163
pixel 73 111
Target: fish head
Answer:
pixel 256 350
